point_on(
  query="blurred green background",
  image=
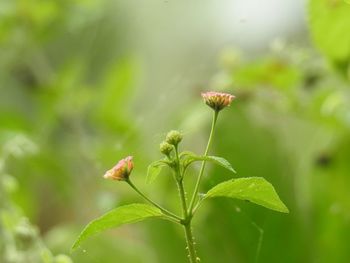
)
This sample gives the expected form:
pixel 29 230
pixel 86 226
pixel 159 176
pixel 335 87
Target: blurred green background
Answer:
pixel 85 83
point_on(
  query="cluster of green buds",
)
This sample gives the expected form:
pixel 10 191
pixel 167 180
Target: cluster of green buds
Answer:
pixel 172 140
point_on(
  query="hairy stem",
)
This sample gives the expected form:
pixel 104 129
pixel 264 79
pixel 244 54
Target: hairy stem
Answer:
pixel 201 171
pixel 183 198
pixel 187 218
pixel 190 243
pixel 171 215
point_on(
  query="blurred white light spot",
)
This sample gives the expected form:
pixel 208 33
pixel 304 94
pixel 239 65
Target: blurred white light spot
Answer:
pixel 253 23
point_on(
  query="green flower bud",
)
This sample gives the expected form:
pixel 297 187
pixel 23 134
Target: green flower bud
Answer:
pixel 165 148
pixel 173 138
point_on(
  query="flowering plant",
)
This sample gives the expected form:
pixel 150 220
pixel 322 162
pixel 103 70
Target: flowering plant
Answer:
pixel 254 189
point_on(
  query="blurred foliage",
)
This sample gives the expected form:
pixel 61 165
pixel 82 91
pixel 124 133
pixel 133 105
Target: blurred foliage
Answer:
pixel 329 23
pixel 71 85
pixel 299 136
pixel 20 240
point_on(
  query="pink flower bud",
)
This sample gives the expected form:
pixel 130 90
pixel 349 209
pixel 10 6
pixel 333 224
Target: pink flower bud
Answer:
pixel 217 100
pixel 121 170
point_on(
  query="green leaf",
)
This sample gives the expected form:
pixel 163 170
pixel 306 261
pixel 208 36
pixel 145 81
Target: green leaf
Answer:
pixel 119 216
pixel 153 170
pixel 215 159
pixel 254 189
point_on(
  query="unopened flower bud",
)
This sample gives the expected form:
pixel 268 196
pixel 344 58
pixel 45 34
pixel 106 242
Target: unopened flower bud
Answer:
pixel 217 100
pixel 173 138
pixel 121 170
pixel 165 148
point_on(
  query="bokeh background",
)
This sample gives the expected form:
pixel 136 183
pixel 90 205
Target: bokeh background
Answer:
pixel 84 83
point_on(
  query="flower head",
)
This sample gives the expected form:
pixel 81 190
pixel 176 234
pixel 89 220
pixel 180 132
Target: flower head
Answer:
pixel 217 100
pixel 121 170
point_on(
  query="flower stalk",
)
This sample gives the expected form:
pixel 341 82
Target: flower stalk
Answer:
pixel 201 171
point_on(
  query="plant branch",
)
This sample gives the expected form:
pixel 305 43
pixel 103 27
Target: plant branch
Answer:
pixel 174 217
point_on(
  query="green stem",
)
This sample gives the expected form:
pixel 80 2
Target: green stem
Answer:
pixel 180 185
pixel 165 211
pixel 187 224
pixel 187 218
pixel 178 167
pixel 190 243
pixel 182 193
pixel 201 171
